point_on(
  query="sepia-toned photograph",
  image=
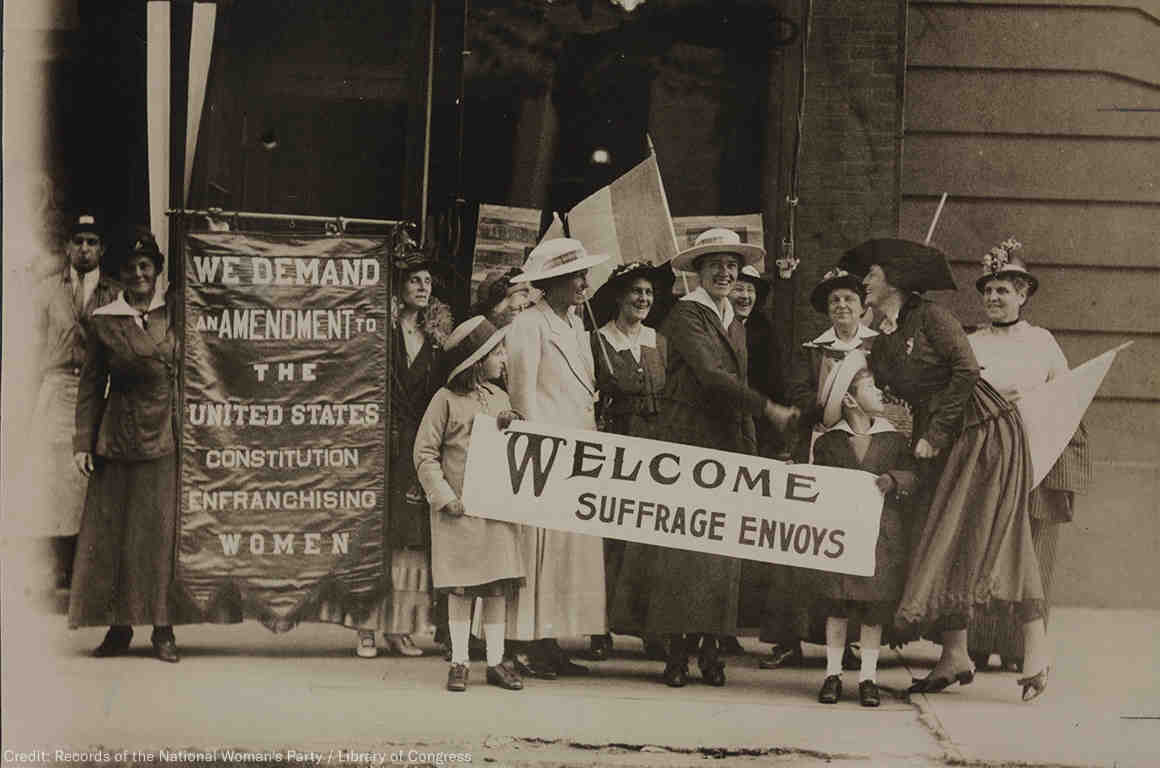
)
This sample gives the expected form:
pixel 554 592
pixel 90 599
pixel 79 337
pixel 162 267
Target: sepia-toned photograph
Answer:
pixel 575 383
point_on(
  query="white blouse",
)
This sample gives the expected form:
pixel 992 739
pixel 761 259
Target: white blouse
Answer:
pixel 1018 358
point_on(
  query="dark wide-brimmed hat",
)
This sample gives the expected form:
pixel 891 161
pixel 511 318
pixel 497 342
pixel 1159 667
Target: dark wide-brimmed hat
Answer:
pixel 831 281
pixel 909 266
pixel 718 240
pixel 1000 263
pixel 469 343
pixel 604 300
pixel 498 286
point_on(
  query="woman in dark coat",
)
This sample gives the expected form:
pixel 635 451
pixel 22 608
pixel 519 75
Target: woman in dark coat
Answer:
pixel 630 359
pixel 975 544
pixel 419 323
pixel 124 443
pixel 692 596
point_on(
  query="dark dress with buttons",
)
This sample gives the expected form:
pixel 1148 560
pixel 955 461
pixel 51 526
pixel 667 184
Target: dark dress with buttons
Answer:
pixel 125 551
pixel 630 399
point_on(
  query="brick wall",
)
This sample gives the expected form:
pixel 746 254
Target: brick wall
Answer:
pixel 850 157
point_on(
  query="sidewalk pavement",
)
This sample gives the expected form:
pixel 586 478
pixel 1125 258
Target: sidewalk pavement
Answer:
pixel 243 687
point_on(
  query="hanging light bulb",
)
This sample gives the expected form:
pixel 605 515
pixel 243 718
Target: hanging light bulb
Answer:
pixel 601 156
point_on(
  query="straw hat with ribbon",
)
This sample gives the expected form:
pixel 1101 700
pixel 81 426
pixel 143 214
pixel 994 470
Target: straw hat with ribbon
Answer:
pixel 837 384
pixel 831 281
pixel 1000 262
pixel 555 257
pixel 718 240
pixel 469 343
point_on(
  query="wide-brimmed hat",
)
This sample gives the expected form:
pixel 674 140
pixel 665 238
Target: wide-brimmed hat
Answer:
pixel 604 300
pixel 718 240
pixel 831 281
pixel 838 383
pixel 910 266
pixel 470 342
pixel 86 221
pixel 498 286
pixel 761 282
pixel 558 256
pixel 1000 262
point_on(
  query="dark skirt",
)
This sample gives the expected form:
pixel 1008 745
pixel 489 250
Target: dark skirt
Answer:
pixel 975 545
pixel 662 590
pixel 123 571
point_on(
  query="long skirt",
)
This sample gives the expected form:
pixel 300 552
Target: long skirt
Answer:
pixel 407 608
pixel 1000 633
pixel 662 590
pixel 564 593
pixel 125 552
pixel 975 544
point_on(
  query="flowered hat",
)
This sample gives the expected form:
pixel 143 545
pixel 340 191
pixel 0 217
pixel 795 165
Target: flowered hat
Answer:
pixel 1000 262
pixel 470 342
pixel 831 281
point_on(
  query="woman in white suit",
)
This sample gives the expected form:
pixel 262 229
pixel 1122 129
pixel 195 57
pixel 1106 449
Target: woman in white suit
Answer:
pixel 552 379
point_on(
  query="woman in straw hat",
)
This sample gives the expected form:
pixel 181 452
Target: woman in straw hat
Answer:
pixel 552 378
pixel 1017 356
pixel 471 557
pixel 689 596
pixel 974 545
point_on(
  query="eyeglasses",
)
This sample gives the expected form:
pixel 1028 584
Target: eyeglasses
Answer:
pixel 93 241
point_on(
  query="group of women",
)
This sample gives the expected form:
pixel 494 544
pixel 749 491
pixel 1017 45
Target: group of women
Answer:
pixel 971 557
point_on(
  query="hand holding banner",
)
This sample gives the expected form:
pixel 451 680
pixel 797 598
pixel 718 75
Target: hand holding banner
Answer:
pixel 673 495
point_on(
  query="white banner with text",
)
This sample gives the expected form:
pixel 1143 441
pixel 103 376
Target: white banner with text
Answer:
pixel 673 495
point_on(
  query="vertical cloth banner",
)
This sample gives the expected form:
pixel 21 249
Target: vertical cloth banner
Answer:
pixel 629 220
pixel 1052 411
pixel 283 421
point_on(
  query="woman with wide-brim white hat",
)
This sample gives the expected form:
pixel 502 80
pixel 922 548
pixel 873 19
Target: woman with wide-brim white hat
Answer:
pixel 693 597
pixel 552 379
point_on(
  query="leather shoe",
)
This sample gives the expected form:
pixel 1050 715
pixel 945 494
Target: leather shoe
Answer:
pixel 165 647
pixel 931 684
pixel 565 666
pixel 676 675
pixel 782 656
pixel 505 676
pixel 868 694
pixel 599 647
pixel 712 669
pixel 831 690
pixel 457 678
pixel 527 666
pixel 116 642
pixel 1035 685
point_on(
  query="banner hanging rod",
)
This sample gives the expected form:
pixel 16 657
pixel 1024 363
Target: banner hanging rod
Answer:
pixel 220 214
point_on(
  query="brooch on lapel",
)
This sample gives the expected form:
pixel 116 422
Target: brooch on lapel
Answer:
pixel 909 346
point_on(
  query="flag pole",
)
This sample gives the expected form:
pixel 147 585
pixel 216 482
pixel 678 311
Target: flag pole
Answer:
pixel 934 222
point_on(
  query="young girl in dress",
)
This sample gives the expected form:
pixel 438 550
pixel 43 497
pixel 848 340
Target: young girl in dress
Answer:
pixel 470 556
pixel 857 437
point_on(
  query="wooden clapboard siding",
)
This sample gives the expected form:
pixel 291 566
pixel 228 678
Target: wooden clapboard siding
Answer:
pixel 1052 231
pixel 1009 109
pixel 1028 103
pixel 1053 168
pixel 1117 40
